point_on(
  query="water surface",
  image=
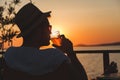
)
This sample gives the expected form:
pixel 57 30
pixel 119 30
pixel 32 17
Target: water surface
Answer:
pixel 93 63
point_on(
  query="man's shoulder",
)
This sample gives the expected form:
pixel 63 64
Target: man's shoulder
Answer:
pixel 52 50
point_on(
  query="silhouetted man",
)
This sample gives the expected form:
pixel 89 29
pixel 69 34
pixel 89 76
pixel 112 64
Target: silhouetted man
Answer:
pixel 29 62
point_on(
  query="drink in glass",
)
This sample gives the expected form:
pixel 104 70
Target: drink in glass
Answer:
pixel 56 38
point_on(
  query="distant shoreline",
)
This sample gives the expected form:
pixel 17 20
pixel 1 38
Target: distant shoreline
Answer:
pixel 104 44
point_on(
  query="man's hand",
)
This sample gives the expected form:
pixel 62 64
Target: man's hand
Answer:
pixel 66 45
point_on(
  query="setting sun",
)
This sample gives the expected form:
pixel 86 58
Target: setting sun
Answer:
pixel 58 28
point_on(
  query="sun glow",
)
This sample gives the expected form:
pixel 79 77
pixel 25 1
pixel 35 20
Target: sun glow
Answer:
pixel 58 29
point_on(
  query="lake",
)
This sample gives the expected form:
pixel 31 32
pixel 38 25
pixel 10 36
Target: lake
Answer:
pixel 93 63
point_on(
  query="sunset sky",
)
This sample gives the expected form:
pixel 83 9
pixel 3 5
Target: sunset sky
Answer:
pixel 83 21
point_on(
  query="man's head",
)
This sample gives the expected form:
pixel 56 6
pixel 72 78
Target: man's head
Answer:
pixel 33 24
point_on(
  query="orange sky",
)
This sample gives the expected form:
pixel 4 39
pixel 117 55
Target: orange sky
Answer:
pixel 83 21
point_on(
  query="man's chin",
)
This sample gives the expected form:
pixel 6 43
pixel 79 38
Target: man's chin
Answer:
pixel 44 46
pixel 47 44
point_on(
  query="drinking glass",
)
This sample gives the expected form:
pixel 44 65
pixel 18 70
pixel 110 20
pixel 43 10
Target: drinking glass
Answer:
pixel 56 38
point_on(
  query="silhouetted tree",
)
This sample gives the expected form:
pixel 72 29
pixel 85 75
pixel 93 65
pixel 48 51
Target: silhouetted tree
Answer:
pixel 7 15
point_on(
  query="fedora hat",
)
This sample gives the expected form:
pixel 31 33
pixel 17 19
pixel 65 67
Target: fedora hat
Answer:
pixel 28 18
